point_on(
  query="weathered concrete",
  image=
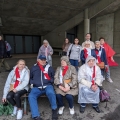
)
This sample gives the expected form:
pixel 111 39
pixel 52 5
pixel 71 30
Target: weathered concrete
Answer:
pixel 89 114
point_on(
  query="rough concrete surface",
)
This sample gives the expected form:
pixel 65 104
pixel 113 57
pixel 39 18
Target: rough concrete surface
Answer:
pixel 89 114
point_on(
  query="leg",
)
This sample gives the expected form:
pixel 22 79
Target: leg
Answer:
pixel 17 97
pixel 96 108
pixel 34 94
pixel 51 96
pixel 10 98
pixel 82 107
pixel 70 100
pixel 76 63
pixel 72 62
pixel 7 67
pixel 83 104
pixel 59 100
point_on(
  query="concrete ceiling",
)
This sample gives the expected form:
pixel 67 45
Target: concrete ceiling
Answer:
pixel 38 17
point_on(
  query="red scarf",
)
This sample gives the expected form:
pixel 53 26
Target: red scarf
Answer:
pixel 17 74
pixel 98 57
pixel 64 70
pixel 85 53
pixel 93 76
pixel 43 70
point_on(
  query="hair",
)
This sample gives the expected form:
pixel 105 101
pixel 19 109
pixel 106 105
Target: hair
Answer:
pixel 74 41
pixel 101 38
pixel 64 44
pixel 87 42
pixel 21 60
pixel 97 41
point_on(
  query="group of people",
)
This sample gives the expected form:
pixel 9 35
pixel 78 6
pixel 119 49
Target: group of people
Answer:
pixel 67 81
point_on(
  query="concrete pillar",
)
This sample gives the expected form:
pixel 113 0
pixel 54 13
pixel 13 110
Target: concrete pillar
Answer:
pixel 86 22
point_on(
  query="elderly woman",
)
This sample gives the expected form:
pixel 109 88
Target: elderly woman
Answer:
pixel 16 86
pixel 66 46
pixel 89 78
pixel 65 84
pixel 87 51
pixel 46 50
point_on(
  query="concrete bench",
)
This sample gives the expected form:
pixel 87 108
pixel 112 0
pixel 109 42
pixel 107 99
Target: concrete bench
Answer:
pixel 59 50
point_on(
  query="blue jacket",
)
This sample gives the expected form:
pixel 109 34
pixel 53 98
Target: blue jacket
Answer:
pixel 82 56
pixel 103 55
pixel 37 77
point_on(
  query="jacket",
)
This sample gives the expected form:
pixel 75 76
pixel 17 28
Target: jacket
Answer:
pixel 82 56
pixel 70 74
pixel 24 81
pixel 37 77
pixel 103 55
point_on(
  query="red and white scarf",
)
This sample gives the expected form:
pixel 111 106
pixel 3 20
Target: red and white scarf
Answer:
pixel 98 53
pixel 17 74
pixel 62 73
pixel 87 52
pixel 44 70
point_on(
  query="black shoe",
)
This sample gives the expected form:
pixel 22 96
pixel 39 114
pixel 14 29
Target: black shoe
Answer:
pixel 38 118
pixel 96 109
pixel 54 114
pixel 82 109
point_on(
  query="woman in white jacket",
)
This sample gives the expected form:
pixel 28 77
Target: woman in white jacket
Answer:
pixel 16 86
pixel 89 78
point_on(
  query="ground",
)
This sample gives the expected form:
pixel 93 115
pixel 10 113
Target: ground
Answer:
pixel 109 113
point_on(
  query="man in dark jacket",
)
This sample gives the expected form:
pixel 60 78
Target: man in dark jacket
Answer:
pixel 41 81
pixel 3 55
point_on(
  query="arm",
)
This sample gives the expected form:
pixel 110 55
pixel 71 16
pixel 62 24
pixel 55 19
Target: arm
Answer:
pixel 82 57
pixel 51 73
pixel 56 77
pixel 24 82
pixel 105 58
pixel 73 82
pixel 98 80
pixel 80 53
pixel 7 85
pixel 69 49
pixel 31 76
pixel 51 50
pixel 82 78
pixel 39 53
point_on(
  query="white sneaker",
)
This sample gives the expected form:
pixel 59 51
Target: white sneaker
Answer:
pixel 61 110
pixel 14 111
pixel 72 111
pixel 110 80
pixel 19 114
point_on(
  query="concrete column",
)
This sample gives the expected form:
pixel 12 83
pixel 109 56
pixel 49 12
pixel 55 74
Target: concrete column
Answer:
pixel 86 22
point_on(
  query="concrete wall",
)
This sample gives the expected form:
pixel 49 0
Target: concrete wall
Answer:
pixel 117 31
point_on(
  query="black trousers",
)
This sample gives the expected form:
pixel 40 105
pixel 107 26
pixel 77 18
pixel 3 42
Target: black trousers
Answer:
pixel 15 98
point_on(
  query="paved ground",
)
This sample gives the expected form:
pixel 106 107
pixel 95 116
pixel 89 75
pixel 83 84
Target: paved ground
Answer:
pixel 89 114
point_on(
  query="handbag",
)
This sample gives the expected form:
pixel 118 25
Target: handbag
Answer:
pixel 101 65
pixel 70 50
pixel 104 96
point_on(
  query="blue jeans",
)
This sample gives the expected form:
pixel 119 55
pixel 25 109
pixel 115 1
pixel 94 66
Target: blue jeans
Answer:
pixel 75 63
pixel 35 93
pixel 84 105
pixel 60 100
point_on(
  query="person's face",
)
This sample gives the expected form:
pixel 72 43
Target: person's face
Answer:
pixel 21 65
pixel 66 40
pixel 91 63
pixel 97 45
pixel 45 44
pixel 63 63
pixel 102 41
pixel 76 41
pixel 87 37
pixel 0 38
pixel 42 62
pixel 87 45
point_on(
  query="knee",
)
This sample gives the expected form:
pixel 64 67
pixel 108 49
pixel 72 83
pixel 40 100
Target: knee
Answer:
pixel 70 97
pixel 58 96
pixel 17 96
pixel 9 97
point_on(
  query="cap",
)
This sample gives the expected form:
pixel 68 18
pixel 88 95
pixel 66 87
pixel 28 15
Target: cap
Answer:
pixel 42 57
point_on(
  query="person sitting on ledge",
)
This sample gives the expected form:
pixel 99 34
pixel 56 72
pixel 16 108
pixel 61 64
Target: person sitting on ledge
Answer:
pixel 41 81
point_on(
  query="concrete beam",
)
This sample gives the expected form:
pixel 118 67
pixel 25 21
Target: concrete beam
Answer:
pixel 98 7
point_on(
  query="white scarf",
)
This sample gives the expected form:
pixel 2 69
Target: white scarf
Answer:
pixel 46 69
pixel 61 76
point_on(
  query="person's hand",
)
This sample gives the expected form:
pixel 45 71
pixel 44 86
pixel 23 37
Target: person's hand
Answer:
pixel 4 100
pixel 61 88
pixel 94 87
pixel 67 89
pixel 14 90
pixel 112 59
